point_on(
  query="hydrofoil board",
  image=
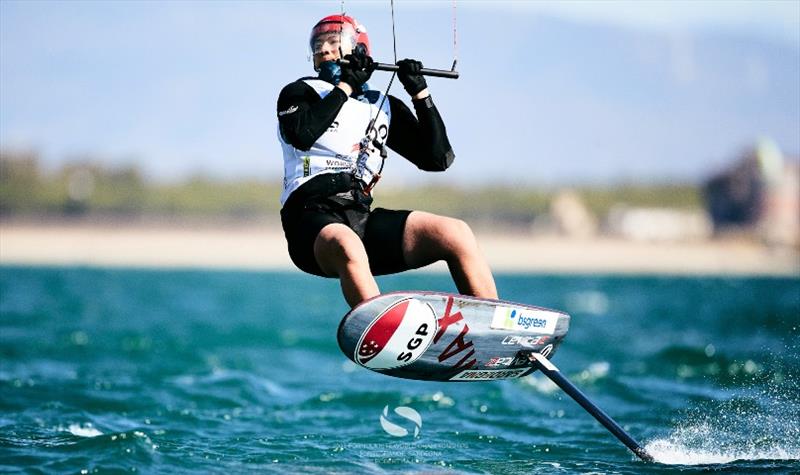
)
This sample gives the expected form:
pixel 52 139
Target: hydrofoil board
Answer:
pixel 438 336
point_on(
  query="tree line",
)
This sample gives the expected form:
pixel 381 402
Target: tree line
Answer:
pixel 88 189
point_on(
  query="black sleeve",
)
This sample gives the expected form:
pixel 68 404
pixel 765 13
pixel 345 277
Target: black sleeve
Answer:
pixel 422 140
pixel 303 117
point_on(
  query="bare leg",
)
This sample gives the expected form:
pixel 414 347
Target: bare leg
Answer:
pixel 429 238
pixel 339 252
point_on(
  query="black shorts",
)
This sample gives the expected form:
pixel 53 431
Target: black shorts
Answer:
pixel 381 230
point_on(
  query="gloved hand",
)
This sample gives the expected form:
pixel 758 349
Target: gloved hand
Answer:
pixel 409 75
pixel 358 71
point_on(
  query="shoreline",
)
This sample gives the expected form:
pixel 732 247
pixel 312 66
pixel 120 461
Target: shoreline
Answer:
pixel 263 247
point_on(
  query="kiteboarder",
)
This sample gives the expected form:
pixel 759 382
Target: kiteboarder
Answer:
pixel 334 131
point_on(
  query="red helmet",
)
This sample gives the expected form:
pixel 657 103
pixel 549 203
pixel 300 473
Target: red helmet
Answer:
pixel 349 32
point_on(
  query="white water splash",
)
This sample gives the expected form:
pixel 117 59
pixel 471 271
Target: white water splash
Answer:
pixel 86 430
pixel 672 453
pixel 701 444
pixel 739 429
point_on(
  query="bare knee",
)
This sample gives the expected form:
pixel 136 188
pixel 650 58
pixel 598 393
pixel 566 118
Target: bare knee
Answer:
pixel 458 238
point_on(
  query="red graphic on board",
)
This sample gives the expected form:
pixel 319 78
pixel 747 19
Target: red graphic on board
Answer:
pixel 459 343
pixel 381 331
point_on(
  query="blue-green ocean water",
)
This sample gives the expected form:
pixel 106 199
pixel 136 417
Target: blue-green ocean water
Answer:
pixel 162 371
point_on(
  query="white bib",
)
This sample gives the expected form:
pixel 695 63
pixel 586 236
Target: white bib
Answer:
pixel 337 150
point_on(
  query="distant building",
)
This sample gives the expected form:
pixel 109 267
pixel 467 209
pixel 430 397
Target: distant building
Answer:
pixel 570 215
pixel 658 224
pixel 759 196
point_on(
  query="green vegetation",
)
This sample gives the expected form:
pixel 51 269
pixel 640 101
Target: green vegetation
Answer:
pixel 601 200
pixel 86 189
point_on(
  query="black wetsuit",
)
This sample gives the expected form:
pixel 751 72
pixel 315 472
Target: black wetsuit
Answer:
pixel 327 198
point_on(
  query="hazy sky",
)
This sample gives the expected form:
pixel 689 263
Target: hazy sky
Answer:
pixel 551 92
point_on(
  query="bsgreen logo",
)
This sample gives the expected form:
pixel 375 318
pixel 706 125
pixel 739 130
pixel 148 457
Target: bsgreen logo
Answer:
pixel 509 321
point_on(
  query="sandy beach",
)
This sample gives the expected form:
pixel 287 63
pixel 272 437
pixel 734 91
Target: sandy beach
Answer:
pixel 264 248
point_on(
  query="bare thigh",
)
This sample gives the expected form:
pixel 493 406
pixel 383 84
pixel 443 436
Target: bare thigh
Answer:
pixel 429 238
pixel 337 245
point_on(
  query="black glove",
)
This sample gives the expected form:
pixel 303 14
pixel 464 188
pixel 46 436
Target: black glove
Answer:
pixel 357 71
pixel 409 75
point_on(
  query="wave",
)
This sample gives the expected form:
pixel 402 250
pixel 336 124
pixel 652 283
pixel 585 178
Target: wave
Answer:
pixel 725 367
pixel 593 373
pixel 82 430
